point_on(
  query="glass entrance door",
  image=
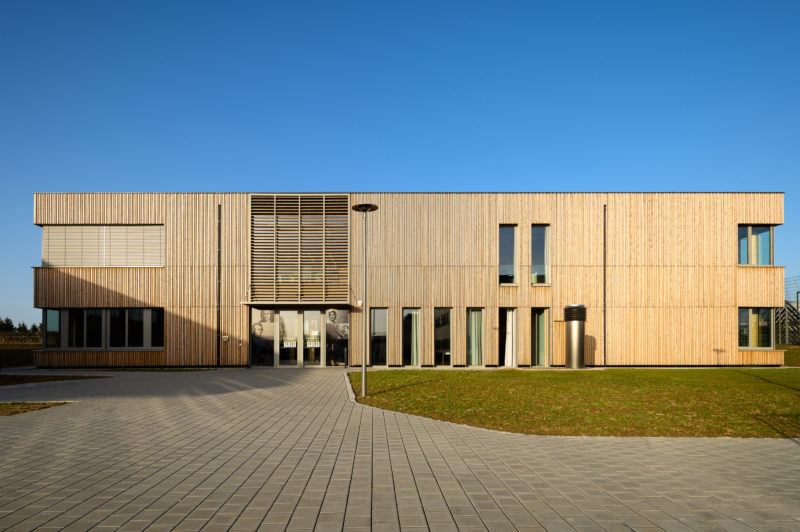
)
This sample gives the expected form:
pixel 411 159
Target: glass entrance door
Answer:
pixel 312 338
pixel 306 337
pixel 287 354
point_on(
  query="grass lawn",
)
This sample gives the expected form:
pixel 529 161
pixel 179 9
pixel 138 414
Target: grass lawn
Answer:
pixel 9 409
pixel 9 380
pixel 613 402
pixel 792 355
pixel 18 347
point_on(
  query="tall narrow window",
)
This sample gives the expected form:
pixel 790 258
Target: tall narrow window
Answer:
pixel 539 254
pixel 411 337
pixel 377 337
pixel 506 240
pixel 157 327
pixel 755 244
pixel 441 336
pixel 52 319
pixel 755 327
pixel 116 333
pixel 135 327
pixel 539 336
pixel 75 328
pixel 474 337
pixel 94 327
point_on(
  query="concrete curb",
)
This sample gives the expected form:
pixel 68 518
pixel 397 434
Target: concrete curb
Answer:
pixel 350 394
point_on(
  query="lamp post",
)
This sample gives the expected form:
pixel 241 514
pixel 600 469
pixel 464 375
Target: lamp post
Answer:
pixel 364 208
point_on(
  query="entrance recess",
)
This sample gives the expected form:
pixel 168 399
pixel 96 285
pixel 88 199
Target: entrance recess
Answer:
pixel 299 337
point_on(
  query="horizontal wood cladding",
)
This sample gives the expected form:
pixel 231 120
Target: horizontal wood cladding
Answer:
pixel 673 284
pixel 299 248
pixel 759 286
pixel 98 287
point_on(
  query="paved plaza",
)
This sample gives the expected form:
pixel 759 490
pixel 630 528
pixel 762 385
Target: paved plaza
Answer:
pixel 280 449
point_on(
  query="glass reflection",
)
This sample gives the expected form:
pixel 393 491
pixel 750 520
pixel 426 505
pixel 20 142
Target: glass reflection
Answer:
pixel 288 338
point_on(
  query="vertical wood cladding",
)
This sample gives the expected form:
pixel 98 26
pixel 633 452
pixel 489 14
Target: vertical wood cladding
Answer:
pixel 185 287
pixel 673 283
pixel 299 248
pixel 672 275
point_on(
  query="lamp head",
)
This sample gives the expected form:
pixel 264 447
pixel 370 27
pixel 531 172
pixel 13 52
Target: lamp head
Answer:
pixel 365 207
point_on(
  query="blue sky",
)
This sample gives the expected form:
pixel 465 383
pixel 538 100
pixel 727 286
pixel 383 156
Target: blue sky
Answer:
pixel 461 96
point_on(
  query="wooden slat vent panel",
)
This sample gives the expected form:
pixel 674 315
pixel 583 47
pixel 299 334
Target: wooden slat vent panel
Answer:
pixel 299 248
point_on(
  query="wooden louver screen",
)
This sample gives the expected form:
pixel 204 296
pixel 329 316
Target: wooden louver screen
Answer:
pixel 299 248
pixel 102 245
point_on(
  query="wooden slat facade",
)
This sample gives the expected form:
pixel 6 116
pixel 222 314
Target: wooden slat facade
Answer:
pixel 673 283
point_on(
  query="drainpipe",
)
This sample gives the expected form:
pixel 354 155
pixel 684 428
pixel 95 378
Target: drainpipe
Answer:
pixel 219 278
pixel 605 240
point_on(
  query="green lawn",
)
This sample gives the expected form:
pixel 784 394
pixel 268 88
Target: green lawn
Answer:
pixel 792 355
pixel 613 402
pixel 9 409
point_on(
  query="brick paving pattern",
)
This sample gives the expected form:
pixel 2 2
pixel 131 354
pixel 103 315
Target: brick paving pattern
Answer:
pixel 276 449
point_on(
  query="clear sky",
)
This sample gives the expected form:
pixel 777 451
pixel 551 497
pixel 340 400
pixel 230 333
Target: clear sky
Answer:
pixel 344 96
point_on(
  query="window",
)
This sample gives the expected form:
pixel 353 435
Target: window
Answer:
pixel 755 327
pixel 377 336
pixel 539 254
pixel 75 328
pixel 411 337
pixel 102 245
pixel 117 327
pixel 135 327
pixel 96 328
pixel 474 337
pixel 755 244
pixel 52 325
pixel 507 233
pixel 441 336
pixel 157 327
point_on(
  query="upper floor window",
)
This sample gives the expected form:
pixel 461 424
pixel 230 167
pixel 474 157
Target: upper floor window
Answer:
pixel 755 244
pixel 507 238
pixel 102 245
pixel 539 254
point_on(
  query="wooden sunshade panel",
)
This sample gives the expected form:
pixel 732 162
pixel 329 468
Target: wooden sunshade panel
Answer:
pixel 299 248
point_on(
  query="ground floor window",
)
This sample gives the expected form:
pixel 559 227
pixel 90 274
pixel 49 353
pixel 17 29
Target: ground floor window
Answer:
pixel 507 338
pixel 94 328
pixel 411 337
pixel 539 336
pixel 377 336
pixel 474 337
pixel 756 327
pixel 441 336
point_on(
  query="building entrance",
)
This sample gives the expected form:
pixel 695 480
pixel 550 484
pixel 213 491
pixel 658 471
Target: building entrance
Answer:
pixel 299 337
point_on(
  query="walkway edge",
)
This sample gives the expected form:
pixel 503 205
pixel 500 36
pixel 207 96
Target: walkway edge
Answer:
pixel 349 387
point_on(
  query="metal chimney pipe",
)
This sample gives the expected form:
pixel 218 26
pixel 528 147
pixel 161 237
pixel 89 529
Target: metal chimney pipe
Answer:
pixel 575 320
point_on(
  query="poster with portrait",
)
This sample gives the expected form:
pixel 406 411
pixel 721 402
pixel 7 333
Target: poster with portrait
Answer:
pixel 337 336
pixel 262 336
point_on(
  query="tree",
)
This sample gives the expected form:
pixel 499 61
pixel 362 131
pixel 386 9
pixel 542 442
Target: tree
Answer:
pixel 35 328
pixel 22 328
pixel 7 325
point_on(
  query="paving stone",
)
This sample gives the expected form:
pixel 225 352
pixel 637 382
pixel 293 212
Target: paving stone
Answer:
pixel 272 448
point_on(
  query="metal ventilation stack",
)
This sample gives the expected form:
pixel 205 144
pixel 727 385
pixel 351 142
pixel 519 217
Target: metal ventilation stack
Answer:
pixel 575 320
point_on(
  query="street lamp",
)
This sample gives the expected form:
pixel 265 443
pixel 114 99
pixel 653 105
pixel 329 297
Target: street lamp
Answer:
pixel 364 208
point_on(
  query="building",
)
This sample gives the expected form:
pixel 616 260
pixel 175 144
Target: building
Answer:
pixel 455 279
